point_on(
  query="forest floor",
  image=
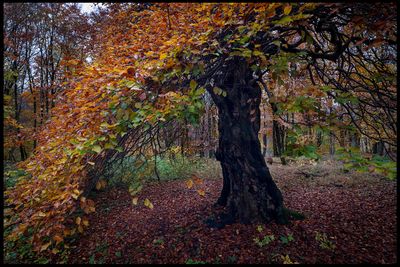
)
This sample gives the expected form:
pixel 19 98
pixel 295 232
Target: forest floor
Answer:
pixel 350 218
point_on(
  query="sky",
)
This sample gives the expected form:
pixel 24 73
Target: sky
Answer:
pixel 86 7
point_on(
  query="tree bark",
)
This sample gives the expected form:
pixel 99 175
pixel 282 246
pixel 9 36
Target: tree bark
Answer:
pixel 248 191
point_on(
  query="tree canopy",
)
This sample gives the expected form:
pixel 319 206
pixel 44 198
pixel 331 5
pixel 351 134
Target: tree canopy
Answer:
pixel 153 63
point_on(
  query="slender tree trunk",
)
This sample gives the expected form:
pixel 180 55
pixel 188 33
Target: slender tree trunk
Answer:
pixel 331 144
pixel 264 145
pixel 17 118
pixel 319 138
pixel 209 133
pixel 248 191
pixel 278 135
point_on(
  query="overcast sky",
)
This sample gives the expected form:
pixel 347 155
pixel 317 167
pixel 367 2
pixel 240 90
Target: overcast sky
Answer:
pixel 87 7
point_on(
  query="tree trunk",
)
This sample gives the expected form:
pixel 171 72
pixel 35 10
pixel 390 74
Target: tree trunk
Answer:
pixel 278 133
pixel 248 191
pixel 331 144
pixel 264 145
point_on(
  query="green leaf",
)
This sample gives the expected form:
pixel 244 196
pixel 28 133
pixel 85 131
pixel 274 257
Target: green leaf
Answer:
pixel 217 90
pixel 258 53
pixel 97 148
pixel 108 146
pixel 283 21
pixel 193 84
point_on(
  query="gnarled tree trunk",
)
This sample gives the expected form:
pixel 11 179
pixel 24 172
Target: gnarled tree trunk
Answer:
pixel 248 191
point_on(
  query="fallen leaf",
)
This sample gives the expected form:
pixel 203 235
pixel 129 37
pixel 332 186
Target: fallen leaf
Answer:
pixel 189 183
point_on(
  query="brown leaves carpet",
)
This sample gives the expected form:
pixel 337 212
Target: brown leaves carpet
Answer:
pixel 356 213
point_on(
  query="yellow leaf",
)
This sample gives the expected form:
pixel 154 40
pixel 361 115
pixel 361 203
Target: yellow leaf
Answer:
pixel 134 200
pixel 78 220
pixel 58 239
pixel 75 193
pixel 54 251
pixel 163 55
pixel 85 222
pixel 42 214
pixel 80 229
pixel 287 9
pixel 148 204
pixel 83 199
pixel 45 246
pixel 189 183
pixel 103 183
pixel 201 192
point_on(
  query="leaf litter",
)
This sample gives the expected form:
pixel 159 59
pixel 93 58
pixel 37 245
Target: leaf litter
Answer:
pixel 350 218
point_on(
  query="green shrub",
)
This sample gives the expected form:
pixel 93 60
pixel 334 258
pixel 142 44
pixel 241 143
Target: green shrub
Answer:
pixel 12 174
pixel 353 159
pixel 190 261
pixel 286 239
pixel 324 242
pixel 265 241
pixel 132 171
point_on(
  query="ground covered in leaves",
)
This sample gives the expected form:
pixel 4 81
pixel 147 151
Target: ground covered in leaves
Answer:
pixel 350 218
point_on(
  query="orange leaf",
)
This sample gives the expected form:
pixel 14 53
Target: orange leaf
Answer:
pixel 78 220
pixel 90 202
pixel 201 192
pixel 58 239
pixel 196 179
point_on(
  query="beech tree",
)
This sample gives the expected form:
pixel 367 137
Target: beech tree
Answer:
pixel 154 64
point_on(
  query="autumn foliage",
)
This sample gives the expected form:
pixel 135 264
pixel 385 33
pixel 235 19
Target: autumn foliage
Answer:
pixel 148 69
